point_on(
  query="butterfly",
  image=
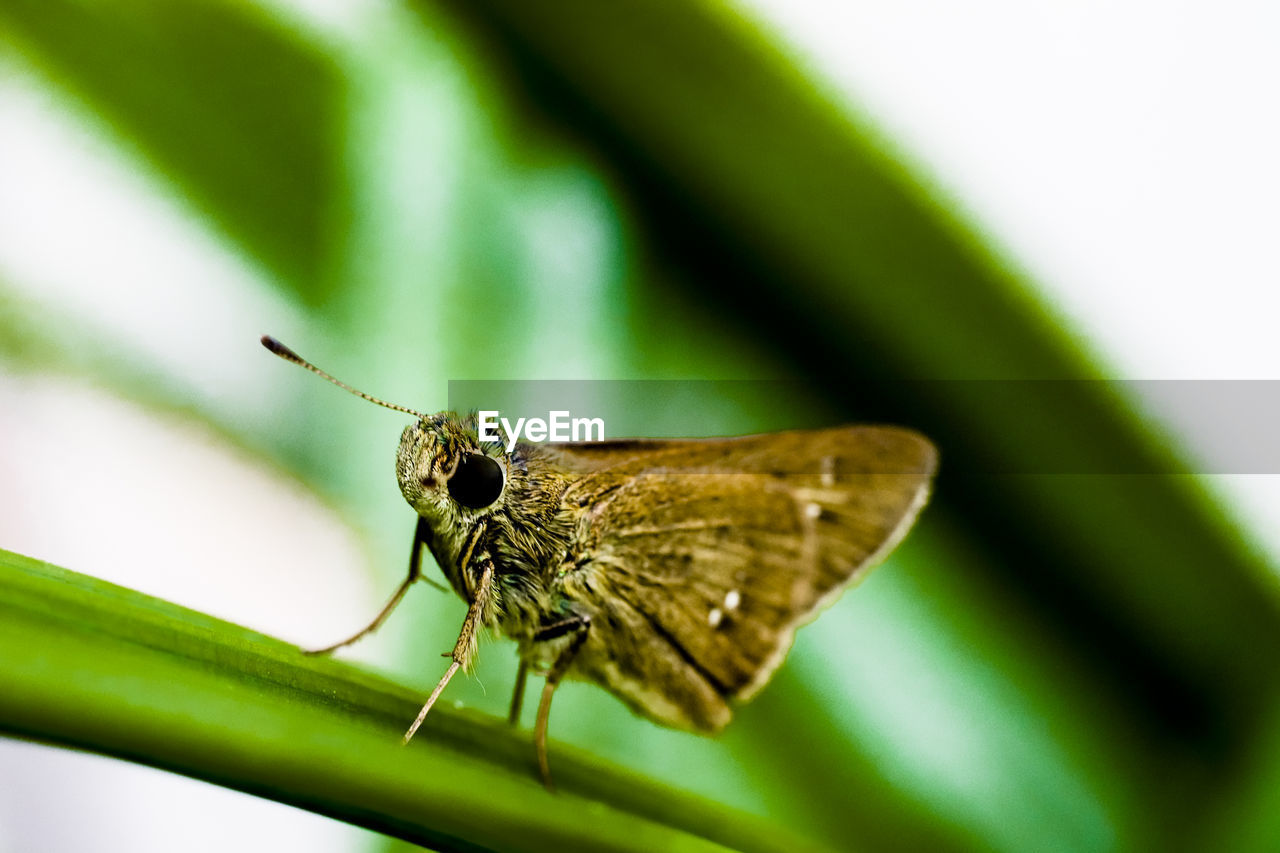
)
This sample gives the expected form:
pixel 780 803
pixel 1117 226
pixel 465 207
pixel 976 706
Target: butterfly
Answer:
pixel 671 572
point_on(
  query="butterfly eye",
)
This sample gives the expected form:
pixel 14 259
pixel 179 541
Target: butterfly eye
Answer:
pixel 477 482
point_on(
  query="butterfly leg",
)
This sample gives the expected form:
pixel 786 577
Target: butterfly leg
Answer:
pixel 517 698
pixel 464 650
pixel 546 632
pixel 415 572
pixel 578 626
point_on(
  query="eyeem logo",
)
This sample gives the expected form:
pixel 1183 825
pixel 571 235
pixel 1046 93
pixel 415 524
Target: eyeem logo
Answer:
pixel 557 427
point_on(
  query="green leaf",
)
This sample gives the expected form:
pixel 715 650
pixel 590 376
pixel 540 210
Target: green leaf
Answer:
pixel 99 667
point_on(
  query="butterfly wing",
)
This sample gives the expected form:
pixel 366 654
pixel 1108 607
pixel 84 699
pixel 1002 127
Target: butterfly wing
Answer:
pixel 698 559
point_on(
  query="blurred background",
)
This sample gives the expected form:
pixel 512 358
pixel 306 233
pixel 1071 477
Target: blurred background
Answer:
pixel 813 192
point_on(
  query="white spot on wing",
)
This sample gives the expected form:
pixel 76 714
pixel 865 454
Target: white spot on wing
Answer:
pixel 732 599
pixel 813 510
pixel 715 617
pixel 828 471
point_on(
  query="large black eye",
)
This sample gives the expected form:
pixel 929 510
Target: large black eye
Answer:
pixel 477 482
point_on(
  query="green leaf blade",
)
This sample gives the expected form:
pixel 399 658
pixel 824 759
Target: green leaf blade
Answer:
pixel 98 667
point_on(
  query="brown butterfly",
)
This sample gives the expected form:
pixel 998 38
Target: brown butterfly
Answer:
pixel 673 573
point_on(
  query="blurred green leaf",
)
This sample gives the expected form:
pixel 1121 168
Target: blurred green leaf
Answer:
pixel 799 225
pixel 243 115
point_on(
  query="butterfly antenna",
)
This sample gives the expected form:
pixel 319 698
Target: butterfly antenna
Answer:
pixel 289 355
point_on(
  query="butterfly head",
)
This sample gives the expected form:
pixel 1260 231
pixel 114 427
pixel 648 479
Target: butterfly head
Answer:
pixel 450 478
pixel 446 474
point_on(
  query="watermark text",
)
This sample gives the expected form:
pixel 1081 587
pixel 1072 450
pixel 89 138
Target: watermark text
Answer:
pixel 558 426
